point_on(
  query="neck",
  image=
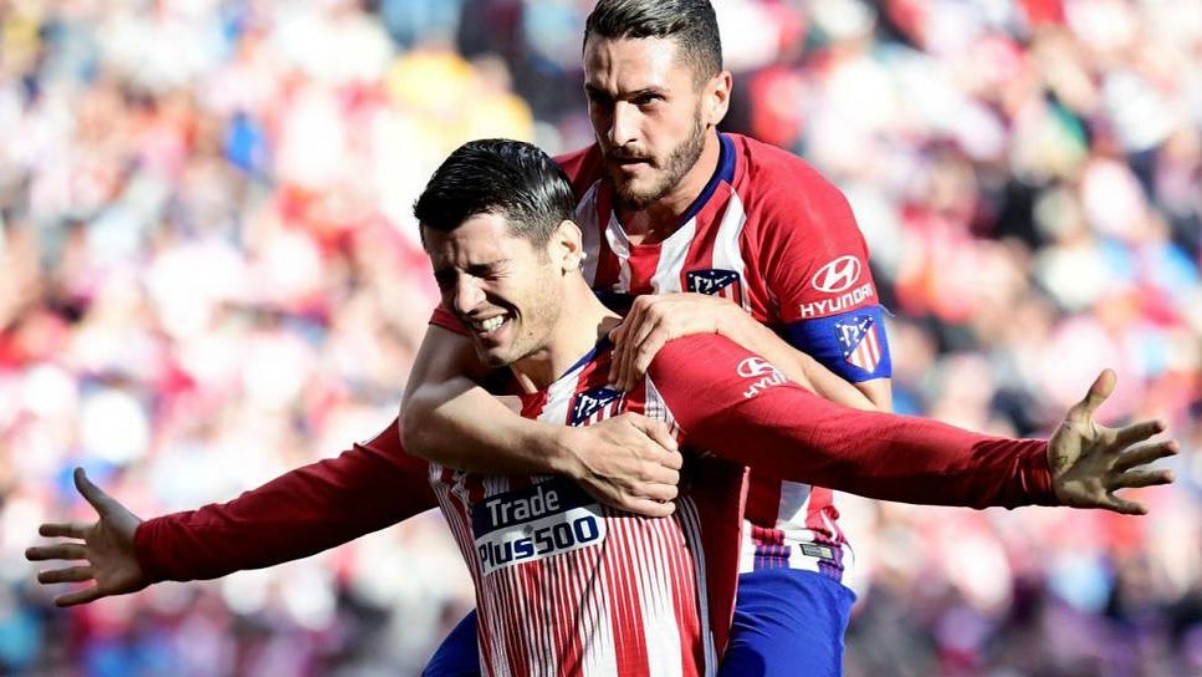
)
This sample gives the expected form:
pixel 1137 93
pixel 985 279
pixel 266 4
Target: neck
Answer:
pixel 582 321
pixel 659 220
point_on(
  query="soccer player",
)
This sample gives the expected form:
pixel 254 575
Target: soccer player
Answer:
pixel 760 248
pixel 552 599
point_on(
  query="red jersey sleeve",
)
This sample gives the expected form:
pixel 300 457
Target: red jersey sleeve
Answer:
pixel 445 319
pixel 810 251
pixel 298 514
pixel 736 405
pixel 583 167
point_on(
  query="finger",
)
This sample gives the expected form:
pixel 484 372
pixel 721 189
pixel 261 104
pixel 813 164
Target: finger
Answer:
pixel 649 508
pixel 617 336
pixel 647 352
pixel 1138 432
pixel 94 495
pixel 1116 504
pixel 84 596
pixel 659 432
pixel 59 530
pixel 649 325
pixel 626 375
pixel 662 476
pixel 674 460
pixel 647 320
pixel 41 553
pixel 655 491
pixel 622 337
pixel 1141 478
pixel 1101 389
pixel 1149 453
pixel 68 575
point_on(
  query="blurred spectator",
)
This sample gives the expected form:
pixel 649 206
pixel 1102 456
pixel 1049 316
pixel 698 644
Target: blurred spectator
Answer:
pixel 212 275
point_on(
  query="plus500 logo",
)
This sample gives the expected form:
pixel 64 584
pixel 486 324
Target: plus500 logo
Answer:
pixel 546 520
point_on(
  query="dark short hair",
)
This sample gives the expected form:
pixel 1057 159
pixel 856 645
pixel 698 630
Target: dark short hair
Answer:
pixel 690 23
pixel 498 176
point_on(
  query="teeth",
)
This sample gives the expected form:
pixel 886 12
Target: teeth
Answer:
pixel 492 323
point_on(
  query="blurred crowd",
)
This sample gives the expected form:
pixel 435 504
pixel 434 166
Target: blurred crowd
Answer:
pixel 211 275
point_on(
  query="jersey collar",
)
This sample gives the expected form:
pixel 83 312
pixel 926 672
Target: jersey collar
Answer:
pixel 724 172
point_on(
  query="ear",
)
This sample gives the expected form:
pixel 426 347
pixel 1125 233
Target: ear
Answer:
pixel 566 246
pixel 716 98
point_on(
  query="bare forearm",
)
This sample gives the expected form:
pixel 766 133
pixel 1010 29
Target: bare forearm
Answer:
pixel 460 425
pixel 450 420
pixel 832 387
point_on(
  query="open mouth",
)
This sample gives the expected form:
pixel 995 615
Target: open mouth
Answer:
pixel 488 326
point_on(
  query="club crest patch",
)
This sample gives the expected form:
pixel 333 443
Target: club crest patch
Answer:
pixel 594 405
pixel 716 282
pixel 860 340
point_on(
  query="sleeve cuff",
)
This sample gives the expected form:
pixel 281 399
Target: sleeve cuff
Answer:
pixel 1036 474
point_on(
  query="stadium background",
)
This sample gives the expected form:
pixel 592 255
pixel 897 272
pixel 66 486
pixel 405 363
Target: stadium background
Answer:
pixel 210 276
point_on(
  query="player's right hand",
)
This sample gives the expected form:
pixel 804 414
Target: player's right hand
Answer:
pixel 629 462
pixel 107 544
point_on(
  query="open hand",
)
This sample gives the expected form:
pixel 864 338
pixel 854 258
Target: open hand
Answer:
pixel 629 462
pixel 1089 462
pixel 107 544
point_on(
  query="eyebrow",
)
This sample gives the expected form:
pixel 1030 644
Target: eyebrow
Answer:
pixel 486 267
pixel 594 90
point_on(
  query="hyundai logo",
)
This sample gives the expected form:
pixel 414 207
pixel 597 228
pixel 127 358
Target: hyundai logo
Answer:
pixel 837 275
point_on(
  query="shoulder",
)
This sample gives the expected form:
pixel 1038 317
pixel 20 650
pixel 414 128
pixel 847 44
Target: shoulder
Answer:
pixel 694 355
pixel 785 191
pixel 583 167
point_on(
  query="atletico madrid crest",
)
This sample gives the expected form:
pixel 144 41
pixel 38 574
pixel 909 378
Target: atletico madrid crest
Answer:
pixel 716 282
pixel 594 405
pixel 860 341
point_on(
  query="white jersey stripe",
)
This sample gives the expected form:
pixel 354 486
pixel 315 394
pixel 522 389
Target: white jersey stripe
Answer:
pixel 794 500
pixel 604 660
pixel 620 246
pixel 673 253
pixel 692 526
pixel 655 407
pixel 728 250
pixel 587 219
pixel 659 621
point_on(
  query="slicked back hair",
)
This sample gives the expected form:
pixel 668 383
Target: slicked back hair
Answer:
pixel 498 176
pixel 690 23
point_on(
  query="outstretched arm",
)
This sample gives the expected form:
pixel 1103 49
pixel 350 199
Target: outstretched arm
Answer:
pixel 738 406
pixel 629 462
pixel 296 515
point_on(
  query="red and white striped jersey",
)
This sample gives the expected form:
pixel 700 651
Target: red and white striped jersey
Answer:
pixel 567 586
pixel 770 234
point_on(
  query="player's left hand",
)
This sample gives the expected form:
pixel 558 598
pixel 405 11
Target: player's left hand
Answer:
pixel 654 320
pixel 1089 462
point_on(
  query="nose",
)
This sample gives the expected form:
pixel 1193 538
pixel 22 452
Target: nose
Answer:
pixel 467 294
pixel 622 124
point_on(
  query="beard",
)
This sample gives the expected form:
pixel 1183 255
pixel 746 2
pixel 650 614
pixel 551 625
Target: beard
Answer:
pixel 670 172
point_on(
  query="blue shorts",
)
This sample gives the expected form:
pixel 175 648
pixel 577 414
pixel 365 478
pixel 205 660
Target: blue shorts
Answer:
pixel 787 622
pixel 459 654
